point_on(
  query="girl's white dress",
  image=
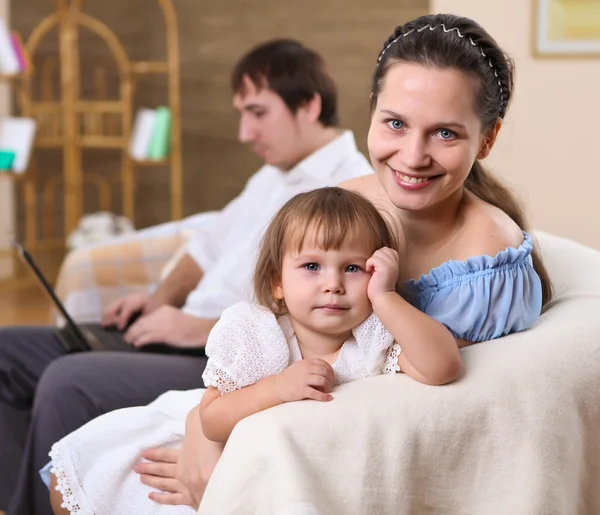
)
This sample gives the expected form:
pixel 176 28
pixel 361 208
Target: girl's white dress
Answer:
pixel 94 465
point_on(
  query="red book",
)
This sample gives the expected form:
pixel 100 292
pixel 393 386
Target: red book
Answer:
pixel 17 44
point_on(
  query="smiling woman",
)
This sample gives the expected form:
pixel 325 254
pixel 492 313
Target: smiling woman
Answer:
pixel 439 139
pixel 470 272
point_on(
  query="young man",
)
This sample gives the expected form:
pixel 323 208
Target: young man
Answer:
pixel 288 113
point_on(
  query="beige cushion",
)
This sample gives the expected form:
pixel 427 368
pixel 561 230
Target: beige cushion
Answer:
pixel 517 434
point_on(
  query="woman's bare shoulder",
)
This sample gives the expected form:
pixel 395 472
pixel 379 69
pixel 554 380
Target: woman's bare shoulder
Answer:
pixel 367 185
pixel 370 188
pixel 488 230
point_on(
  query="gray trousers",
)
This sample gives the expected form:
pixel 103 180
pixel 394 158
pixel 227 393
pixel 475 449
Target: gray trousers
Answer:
pixel 45 394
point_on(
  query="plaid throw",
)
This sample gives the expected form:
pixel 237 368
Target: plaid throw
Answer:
pixel 92 277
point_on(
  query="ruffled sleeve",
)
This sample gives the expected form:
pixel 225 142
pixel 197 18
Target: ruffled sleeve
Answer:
pixel 246 345
pixel 370 351
pixel 483 297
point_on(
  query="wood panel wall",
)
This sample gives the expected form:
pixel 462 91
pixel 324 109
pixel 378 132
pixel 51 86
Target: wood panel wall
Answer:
pixel 213 35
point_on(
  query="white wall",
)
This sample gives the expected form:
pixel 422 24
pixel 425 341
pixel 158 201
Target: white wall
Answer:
pixel 6 185
pixel 549 149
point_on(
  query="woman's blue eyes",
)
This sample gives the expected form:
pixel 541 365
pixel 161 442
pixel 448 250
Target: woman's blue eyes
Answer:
pixel 314 267
pixel 444 134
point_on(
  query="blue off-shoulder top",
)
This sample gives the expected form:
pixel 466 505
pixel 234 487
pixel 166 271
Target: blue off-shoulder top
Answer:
pixel 483 297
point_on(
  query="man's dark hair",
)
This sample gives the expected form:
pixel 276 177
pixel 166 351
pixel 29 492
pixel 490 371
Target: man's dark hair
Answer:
pixel 291 70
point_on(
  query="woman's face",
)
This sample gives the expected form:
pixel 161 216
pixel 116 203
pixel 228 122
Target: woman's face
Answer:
pixel 425 135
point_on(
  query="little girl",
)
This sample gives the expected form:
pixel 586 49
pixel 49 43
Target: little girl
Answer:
pixel 323 257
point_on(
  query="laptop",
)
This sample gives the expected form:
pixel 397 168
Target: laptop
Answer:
pixel 94 337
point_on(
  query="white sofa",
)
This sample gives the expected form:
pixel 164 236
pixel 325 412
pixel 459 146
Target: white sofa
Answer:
pixel 518 434
pixel 94 275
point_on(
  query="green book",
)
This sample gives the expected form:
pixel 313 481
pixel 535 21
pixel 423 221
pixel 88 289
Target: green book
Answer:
pixel 159 143
pixel 7 158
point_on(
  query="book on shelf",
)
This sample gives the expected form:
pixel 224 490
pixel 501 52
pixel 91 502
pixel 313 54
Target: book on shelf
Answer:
pixel 159 145
pixel 9 62
pixel 16 137
pixel 141 135
pixel 151 134
pixel 19 49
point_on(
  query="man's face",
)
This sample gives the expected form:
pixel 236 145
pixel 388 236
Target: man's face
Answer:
pixel 266 123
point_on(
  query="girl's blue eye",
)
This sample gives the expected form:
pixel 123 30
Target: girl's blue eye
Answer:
pixel 311 267
pixel 352 269
pixel 395 124
pixel 446 134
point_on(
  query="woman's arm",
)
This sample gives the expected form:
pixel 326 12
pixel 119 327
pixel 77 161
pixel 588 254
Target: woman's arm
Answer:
pixel 198 457
pixel 429 351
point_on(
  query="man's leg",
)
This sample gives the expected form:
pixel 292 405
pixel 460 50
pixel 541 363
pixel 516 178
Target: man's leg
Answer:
pixel 25 352
pixel 79 387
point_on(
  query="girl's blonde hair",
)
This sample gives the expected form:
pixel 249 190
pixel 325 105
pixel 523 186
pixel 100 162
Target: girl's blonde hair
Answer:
pixel 332 216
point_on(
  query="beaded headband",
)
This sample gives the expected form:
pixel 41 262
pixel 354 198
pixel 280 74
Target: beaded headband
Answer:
pixel 460 36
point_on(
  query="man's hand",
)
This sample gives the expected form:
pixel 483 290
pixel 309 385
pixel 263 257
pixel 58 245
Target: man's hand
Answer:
pixel 161 473
pixel 120 311
pixel 384 266
pixel 170 325
pixel 305 379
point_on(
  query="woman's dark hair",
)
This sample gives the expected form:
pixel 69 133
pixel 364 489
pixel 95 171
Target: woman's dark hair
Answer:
pixel 447 41
pixel 291 70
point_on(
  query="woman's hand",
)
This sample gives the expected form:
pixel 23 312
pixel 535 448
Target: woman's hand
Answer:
pixel 305 379
pixel 198 456
pixel 161 473
pixel 181 473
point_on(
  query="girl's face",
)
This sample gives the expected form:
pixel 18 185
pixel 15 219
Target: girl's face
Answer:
pixel 425 135
pixel 326 291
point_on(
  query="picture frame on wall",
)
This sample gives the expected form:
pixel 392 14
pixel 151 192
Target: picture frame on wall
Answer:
pixel 566 28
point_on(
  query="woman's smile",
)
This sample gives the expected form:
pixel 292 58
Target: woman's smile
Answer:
pixel 413 182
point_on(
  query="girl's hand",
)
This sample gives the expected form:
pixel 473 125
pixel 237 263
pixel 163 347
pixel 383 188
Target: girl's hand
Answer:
pixel 385 267
pixel 305 379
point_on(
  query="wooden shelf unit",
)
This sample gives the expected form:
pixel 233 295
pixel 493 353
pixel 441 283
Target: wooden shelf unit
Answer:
pixel 74 125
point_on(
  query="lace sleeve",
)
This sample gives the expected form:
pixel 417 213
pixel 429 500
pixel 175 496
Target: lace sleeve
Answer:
pixel 246 345
pixel 368 353
pixel 390 365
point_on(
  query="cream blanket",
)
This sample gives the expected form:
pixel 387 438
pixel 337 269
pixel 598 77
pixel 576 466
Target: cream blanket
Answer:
pixel 519 433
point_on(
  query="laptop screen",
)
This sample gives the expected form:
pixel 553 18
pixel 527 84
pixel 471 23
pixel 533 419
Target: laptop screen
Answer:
pixel 29 261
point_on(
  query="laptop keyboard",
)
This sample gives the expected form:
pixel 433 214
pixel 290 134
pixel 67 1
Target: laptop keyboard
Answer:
pixel 105 338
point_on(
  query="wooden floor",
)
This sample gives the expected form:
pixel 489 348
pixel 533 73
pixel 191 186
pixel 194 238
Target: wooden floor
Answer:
pixel 22 299
pixel 24 306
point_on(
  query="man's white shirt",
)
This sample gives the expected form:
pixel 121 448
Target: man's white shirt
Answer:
pixel 226 250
